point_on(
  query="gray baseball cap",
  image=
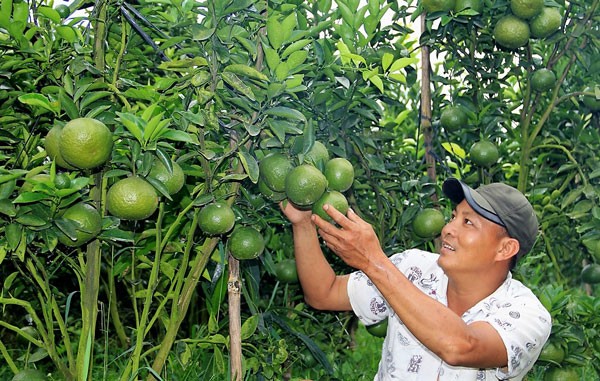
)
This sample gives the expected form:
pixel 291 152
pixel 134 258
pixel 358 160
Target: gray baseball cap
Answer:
pixel 501 204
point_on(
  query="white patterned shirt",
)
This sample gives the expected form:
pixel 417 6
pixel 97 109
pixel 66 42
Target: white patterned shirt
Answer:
pixel 513 310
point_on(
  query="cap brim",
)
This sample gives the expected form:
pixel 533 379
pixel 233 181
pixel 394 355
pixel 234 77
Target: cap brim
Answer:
pixel 457 191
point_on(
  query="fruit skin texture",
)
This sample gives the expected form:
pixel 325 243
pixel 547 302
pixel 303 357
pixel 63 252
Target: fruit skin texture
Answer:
pixel 85 143
pixel 335 199
pixel 511 32
pixel 561 374
pixel 484 153
pixel 378 329
pixel 438 5
pixel 216 218
pixel 269 193
pixel 89 223
pixel 591 273
pixel 286 271
pixel 428 223
pixel 339 173
pixel 273 169
pixel 132 198
pixel 246 243
pixel 476 5
pixel 173 181
pixel 29 375
pixel 543 80
pixel 51 144
pixel 546 23
pixel 304 185
pixel 526 9
pixel 317 155
pixel 453 118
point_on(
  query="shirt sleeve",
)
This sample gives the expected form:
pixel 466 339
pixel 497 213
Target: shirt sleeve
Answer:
pixel 524 326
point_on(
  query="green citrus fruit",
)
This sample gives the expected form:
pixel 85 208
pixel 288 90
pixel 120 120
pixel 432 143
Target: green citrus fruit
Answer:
pixel 132 198
pixel 476 5
pixel 438 5
pixel 339 173
pixel 591 273
pixel 51 144
pixel 62 181
pixel 484 153
pixel 333 198
pixel 173 181
pixel 511 32
pixel 269 193
pixel 453 118
pixel 304 185
pixel 317 155
pixel 590 101
pixel 428 223
pixel 553 353
pixel 85 143
pixel 543 80
pixel 562 374
pixel 546 23
pixel 273 169
pixel 88 221
pixel 378 329
pixel 216 218
pixel 526 9
pixel 286 271
pixel 245 243
pixel 29 375
pixel 63 10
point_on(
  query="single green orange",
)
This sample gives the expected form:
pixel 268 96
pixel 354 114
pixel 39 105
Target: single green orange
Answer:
pixel 273 169
pixel 543 80
pixel 216 218
pixel 245 242
pixel 453 118
pixel 88 222
pixel 591 273
pixel 378 329
pixel 526 9
pixel 286 271
pixel 484 153
pixel 304 185
pixel 339 173
pixel 476 5
pixel 428 223
pixel 590 101
pixel 63 10
pixel 85 143
pixel 552 352
pixel 511 32
pixel 317 155
pixel 62 180
pixel 172 180
pixel 132 198
pixel 29 375
pixel 438 5
pixel 51 144
pixel 333 198
pixel 561 374
pixel 546 23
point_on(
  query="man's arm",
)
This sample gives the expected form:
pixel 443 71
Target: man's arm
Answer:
pixel 435 325
pixel 322 288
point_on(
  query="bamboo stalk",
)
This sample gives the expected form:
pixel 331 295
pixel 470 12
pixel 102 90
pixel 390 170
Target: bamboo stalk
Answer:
pixel 234 288
pixel 425 113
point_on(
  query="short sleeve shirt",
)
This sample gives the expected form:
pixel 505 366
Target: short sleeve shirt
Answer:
pixel 513 310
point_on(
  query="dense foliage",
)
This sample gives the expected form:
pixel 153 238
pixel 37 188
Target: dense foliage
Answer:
pixel 215 86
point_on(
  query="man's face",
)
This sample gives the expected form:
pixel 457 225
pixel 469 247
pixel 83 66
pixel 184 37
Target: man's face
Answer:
pixel 470 242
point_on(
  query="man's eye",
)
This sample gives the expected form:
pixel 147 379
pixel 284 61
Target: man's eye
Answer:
pixel 468 221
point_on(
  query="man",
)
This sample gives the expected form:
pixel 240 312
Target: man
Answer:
pixel 456 315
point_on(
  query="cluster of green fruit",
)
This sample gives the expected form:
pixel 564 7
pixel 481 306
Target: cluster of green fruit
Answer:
pixel 305 185
pixel 528 19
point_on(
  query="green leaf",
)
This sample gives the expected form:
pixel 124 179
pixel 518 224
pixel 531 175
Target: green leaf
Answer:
pixel 271 57
pixel 234 81
pixel 250 165
pixel 249 327
pixel 402 63
pixel 296 59
pixel 13 235
pixel 38 100
pixel 246 71
pixel 180 136
pixel 273 32
pixel 9 279
pixel 286 112
pixel 295 46
pixel 50 13
pixel 68 33
pixel 454 150
pixel 386 60
pixel 134 125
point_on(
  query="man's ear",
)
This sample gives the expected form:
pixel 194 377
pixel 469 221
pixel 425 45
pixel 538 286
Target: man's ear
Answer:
pixel 509 247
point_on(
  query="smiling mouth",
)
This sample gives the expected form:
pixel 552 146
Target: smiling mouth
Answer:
pixel 446 246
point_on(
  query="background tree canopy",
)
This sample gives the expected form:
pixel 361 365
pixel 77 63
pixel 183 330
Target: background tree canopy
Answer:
pixel 195 94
